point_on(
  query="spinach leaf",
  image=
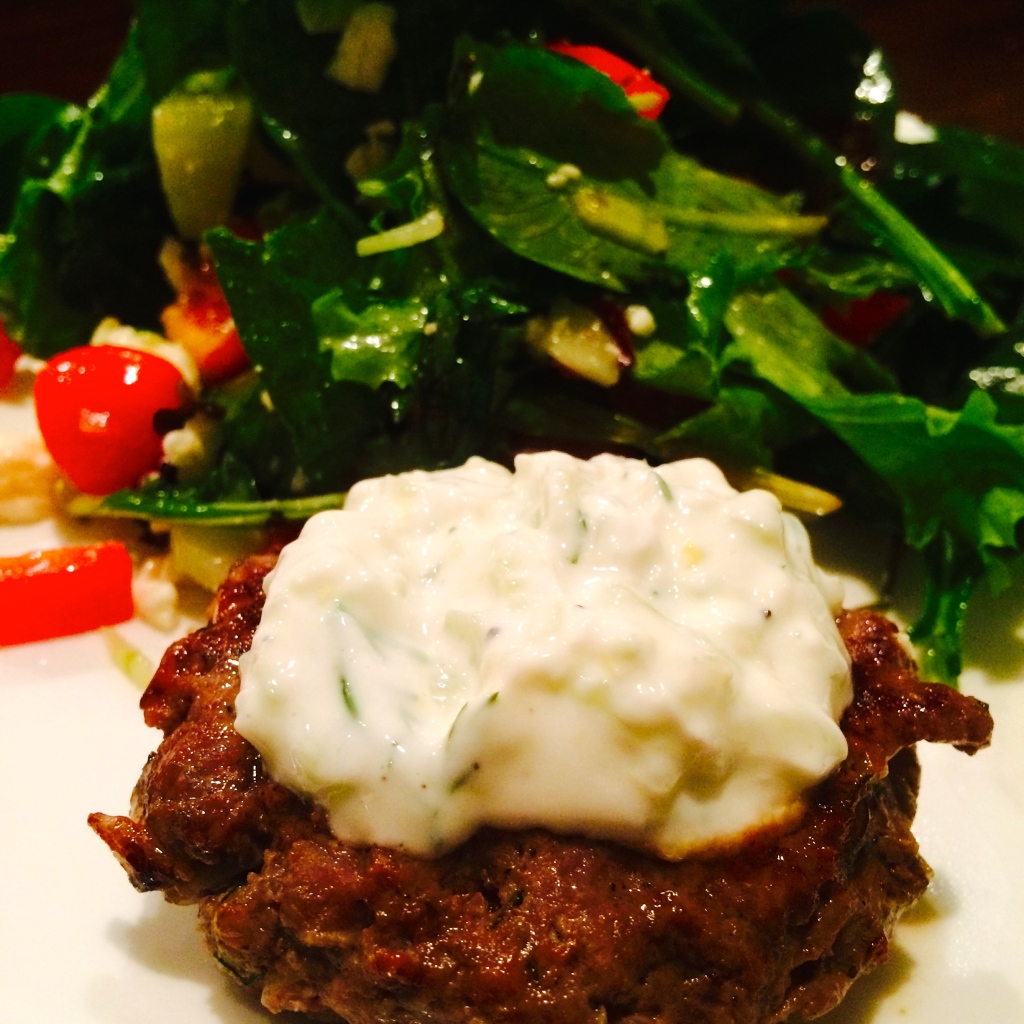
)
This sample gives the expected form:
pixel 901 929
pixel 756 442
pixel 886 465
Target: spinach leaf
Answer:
pixel 315 121
pixel 568 419
pixel 681 367
pixel 683 355
pixel 270 287
pixel 23 119
pixel 369 365
pixel 967 190
pixel 88 220
pixel 179 39
pixel 555 197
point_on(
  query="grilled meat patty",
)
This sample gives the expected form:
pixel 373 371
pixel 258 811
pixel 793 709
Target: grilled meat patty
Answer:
pixel 530 927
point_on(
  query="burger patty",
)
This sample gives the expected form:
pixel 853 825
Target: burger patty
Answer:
pixel 527 926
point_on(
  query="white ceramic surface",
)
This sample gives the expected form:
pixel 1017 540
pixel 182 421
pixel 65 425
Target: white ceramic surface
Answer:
pixel 79 946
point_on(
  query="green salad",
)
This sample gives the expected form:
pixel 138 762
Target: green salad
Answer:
pixel 446 228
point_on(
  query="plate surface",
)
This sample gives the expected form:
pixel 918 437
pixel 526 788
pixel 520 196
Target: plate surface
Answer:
pixel 78 945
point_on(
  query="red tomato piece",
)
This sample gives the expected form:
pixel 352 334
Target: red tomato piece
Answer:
pixel 95 406
pixel 9 353
pixel 48 594
pixel 647 96
pixel 200 321
pixel 863 321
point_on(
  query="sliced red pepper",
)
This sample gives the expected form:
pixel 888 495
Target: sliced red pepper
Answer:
pixel 647 96
pixel 861 322
pixel 200 321
pixel 47 594
pixel 9 353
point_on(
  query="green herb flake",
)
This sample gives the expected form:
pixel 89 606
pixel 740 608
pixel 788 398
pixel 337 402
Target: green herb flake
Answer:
pixel 348 698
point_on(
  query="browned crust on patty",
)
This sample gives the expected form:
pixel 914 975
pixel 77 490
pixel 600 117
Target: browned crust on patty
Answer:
pixel 530 927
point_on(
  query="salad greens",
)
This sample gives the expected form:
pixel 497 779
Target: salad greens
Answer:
pixel 412 239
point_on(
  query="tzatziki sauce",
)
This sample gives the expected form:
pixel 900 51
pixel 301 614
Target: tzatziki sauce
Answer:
pixel 592 647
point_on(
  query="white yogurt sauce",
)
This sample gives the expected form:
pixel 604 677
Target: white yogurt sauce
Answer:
pixel 591 647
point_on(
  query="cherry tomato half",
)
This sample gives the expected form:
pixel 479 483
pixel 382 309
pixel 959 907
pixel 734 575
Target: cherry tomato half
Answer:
pixel 95 407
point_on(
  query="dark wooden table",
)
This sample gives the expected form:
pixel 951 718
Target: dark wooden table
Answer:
pixel 957 62
pixel 62 47
pixel 954 62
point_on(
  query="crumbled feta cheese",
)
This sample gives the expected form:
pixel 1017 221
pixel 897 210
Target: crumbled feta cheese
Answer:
pixel 27 479
pixel 561 176
pixel 155 594
pixel 640 321
pixel 113 332
pixel 191 449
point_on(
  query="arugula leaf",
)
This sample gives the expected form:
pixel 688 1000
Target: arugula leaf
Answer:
pixel 741 429
pixel 991 182
pixel 856 275
pixel 959 479
pixel 379 344
pixel 638 28
pixel 1001 377
pixel 940 278
pixel 823 45
pixel 950 468
pixel 768 49
pixel 958 475
pixel 181 505
pixel 787 345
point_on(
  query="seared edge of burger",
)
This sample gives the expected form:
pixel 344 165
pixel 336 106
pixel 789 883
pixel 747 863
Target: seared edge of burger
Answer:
pixel 530 927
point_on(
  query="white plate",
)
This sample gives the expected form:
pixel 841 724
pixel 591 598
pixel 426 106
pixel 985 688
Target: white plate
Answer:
pixel 79 946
